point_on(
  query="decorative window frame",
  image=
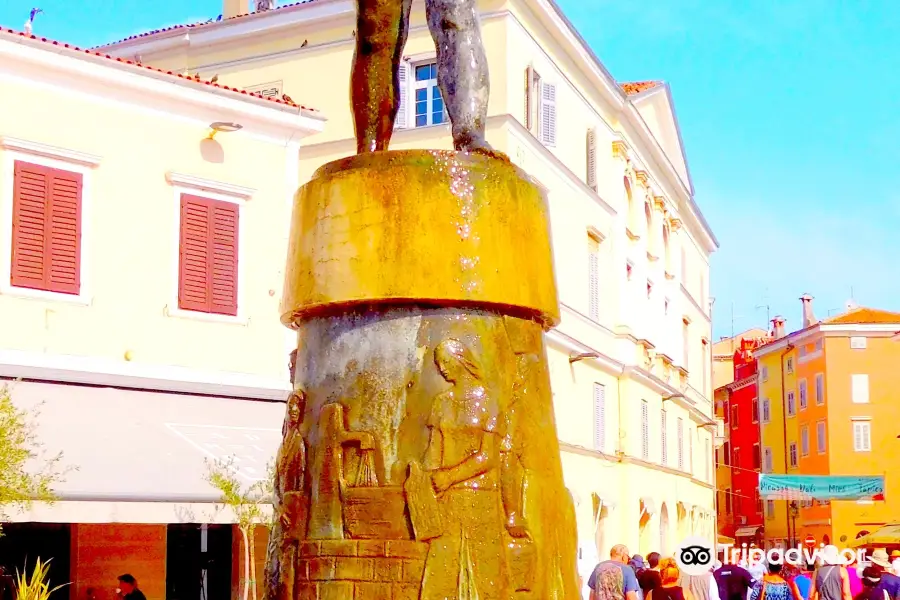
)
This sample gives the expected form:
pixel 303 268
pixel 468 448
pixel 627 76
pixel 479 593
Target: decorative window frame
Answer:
pixel 214 190
pixel 13 149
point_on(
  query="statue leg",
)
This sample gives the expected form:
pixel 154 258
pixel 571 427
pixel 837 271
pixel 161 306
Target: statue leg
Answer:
pixel 462 69
pixel 382 27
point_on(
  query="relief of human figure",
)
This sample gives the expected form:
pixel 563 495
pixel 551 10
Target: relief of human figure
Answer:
pixel 464 462
pixel 290 503
pixel 382 29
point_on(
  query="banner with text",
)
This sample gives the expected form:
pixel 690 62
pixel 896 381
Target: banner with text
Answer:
pixel 821 487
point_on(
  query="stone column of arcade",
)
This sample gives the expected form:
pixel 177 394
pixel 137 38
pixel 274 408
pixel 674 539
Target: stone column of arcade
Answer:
pixel 420 284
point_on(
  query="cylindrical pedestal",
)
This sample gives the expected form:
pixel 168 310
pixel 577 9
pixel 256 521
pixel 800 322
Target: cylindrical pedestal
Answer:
pixel 420 283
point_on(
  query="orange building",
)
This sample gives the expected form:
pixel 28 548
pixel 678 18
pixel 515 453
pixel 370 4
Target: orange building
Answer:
pixel 831 390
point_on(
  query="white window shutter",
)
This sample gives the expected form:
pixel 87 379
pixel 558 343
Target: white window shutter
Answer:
pixel 594 279
pixel 645 429
pixel 680 443
pixel 548 114
pixel 529 101
pixel 600 417
pixel 592 159
pixel 663 439
pixel 403 114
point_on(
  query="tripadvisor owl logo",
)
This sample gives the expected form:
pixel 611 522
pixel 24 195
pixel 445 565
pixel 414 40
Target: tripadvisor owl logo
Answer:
pixel 695 556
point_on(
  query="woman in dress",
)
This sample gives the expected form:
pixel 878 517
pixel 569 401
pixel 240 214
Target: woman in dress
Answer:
pixel 463 459
pixel 291 507
pixel 773 586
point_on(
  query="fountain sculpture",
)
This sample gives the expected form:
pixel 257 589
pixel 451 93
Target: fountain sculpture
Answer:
pixel 420 458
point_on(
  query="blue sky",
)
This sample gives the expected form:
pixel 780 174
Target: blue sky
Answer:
pixel 788 112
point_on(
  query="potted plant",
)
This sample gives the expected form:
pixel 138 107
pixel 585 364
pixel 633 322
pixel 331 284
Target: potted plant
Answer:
pixel 38 586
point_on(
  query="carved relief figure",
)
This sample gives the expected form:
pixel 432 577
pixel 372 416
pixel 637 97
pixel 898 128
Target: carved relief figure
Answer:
pixel 326 514
pixel 290 464
pixel 289 482
pixel 382 28
pixel 463 459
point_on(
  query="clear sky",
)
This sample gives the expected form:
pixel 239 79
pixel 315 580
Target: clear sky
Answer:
pixel 789 112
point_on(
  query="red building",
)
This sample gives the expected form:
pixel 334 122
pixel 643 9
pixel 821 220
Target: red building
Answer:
pixel 742 451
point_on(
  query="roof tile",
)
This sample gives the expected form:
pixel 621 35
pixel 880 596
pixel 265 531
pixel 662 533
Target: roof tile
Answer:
pixel 865 316
pixel 636 87
pixel 198 24
pixel 282 101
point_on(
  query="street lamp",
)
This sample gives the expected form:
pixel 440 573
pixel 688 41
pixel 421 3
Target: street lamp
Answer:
pixel 795 512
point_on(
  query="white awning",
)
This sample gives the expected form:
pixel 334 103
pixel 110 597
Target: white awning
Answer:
pixel 140 455
pixel 746 532
pixel 648 506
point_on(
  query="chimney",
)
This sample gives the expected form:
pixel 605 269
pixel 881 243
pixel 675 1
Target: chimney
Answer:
pixel 778 327
pixel 808 318
pixel 235 8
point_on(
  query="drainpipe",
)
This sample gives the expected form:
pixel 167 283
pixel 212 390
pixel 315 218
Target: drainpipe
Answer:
pixel 787 506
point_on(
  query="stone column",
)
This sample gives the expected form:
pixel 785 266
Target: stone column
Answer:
pixel 420 283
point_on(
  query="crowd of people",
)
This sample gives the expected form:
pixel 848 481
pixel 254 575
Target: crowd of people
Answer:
pixel 654 577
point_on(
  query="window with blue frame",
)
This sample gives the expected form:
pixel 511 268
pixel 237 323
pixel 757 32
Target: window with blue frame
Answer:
pixel 429 108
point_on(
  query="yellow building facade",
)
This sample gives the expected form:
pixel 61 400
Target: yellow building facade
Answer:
pixel 143 225
pixel 630 363
pixel 827 395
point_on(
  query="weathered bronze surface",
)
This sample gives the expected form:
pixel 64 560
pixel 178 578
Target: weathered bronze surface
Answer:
pixel 420 284
pixel 382 27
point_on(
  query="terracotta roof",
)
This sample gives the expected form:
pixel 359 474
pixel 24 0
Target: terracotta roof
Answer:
pixel 636 87
pixel 198 24
pixel 865 316
pixel 75 49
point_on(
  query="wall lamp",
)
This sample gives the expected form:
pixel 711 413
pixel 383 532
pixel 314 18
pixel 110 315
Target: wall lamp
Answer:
pixel 673 396
pixel 222 127
pixel 581 356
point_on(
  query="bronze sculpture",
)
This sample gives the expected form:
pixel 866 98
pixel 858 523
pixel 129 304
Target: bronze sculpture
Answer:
pixel 382 28
pixel 420 284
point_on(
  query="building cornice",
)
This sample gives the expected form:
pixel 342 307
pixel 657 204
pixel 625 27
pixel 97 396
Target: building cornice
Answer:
pixel 31 62
pixel 825 328
pixel 47 151
pixel 105 372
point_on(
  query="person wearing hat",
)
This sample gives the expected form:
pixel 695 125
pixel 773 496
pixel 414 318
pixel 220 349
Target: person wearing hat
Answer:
pixel 871 577
pixel 889 586
pixel 831 581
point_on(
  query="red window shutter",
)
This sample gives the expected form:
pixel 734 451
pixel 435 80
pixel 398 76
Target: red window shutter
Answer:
pixel 208 256
pixel 46 244
pixel 224 258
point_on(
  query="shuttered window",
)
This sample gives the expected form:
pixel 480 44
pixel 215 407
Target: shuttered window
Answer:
pixel 532 100
pixel 600 417
pixel 663 438
pixel 594 278
pixel 862 436
pixel 46 235
pixel 591 176
pixel 548 114
pixel 403 72
pixel 645 430
pixel 680 433
pixel 208 265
